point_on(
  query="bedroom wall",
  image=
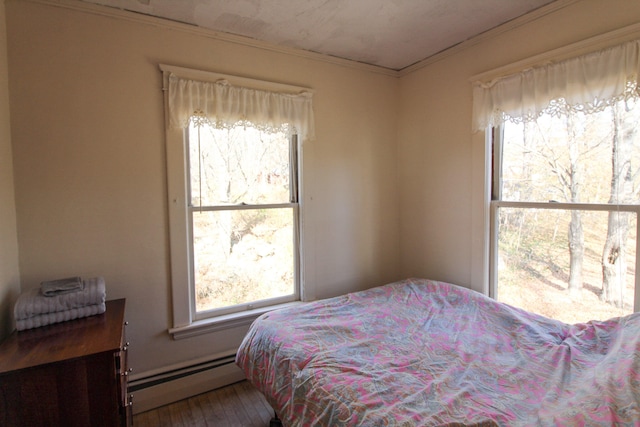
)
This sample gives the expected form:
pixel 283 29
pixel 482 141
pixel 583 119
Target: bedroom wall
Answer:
pixel 441 173
pixel 9 271
pixel 88 139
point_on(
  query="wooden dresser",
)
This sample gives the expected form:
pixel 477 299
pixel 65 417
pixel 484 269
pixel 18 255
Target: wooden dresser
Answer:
pixel 68 374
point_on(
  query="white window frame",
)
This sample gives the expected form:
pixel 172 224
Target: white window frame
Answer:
pixel 186 322
pixel 293 205
pixel 496 139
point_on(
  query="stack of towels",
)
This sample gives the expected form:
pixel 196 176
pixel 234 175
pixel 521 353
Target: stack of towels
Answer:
pixel 60 300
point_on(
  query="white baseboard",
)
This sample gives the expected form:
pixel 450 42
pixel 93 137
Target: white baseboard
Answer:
pixel 162 389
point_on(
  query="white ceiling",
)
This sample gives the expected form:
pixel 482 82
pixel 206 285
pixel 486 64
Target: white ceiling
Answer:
pixel 392 34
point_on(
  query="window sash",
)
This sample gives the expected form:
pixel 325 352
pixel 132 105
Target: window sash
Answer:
pixel 242 206
pixel 252 305
pixel 293 204
pixel 496 203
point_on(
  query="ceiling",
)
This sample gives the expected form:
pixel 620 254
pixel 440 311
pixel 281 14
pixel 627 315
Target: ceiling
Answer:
pixel 393 34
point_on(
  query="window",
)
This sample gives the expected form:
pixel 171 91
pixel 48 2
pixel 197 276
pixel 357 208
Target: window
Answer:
pixel 565 185
pixel 565 211
pixel 243 218
pixel 234 185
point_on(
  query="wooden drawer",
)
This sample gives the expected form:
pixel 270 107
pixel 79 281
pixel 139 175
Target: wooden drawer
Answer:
pixel 67 374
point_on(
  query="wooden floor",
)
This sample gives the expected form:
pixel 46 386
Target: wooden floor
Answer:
pixel 237 405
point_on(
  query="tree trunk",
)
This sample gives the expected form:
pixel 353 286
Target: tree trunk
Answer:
pixel 576 234
pixel 614 266
pixel 576 251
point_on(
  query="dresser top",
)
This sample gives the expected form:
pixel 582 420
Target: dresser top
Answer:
pixel 64 341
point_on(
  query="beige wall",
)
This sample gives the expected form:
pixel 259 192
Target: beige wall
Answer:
pixel 9 273
pixel 90 180
pixel 442 163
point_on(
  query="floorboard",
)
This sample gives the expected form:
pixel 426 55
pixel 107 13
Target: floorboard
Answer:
pixel 237 405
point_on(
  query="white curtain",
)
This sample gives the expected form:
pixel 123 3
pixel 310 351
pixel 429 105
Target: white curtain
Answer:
pixel 223 105
pixel 587 83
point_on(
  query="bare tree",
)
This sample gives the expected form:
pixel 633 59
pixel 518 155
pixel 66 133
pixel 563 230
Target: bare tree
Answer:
pixel 574 186
pixel 614 266
pixel 568 167
pixel 567 163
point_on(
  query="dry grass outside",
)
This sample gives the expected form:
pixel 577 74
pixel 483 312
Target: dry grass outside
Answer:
pixel 534 272
pixel 555 301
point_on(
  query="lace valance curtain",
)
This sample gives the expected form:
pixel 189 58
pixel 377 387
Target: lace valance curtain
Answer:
pixel 586 83
pixel 223 105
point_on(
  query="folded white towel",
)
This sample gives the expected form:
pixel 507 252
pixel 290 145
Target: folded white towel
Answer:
pixel 32 303
pixel 61 286
pixel 60 316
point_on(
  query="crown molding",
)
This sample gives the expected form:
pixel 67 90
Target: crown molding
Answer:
pixel 106 11
pixel 488 35
pixel 141 18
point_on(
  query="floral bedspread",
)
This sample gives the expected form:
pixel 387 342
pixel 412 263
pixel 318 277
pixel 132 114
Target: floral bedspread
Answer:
pixel 423 353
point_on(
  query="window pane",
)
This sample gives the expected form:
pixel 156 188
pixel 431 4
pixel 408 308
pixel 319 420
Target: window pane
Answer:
pixel 239 165
pixel 570 158
pixel 536 269
pixel 242 256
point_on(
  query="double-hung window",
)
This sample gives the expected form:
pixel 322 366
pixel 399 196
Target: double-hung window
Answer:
pixel 243 217
pixel 234 187
pixel 565 185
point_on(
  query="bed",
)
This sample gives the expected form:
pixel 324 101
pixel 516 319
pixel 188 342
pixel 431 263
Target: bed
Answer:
pixel 419 353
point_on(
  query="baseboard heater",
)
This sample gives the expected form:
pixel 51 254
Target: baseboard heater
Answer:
pixel 178 383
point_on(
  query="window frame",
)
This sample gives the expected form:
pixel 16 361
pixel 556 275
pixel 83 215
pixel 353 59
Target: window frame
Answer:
pixel 185 322
pixel 495 139
pixel 293 204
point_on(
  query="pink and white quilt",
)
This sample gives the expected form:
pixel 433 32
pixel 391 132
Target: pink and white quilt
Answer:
pixel 426 353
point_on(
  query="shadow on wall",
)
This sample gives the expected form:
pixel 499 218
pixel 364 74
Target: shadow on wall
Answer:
pixel 6 313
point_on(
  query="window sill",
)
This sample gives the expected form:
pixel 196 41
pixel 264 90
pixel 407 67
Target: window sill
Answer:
pixel 220 323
